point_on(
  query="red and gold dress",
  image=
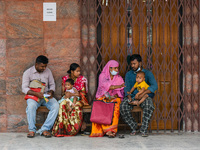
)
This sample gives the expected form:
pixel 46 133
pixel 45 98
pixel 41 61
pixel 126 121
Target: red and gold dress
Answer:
pixel 68 123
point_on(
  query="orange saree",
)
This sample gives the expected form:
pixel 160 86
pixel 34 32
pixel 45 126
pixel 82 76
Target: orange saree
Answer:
pixel 98 130
pixel 105 82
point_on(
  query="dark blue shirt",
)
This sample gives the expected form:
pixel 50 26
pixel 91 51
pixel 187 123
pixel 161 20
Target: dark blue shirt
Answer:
pixel 130 80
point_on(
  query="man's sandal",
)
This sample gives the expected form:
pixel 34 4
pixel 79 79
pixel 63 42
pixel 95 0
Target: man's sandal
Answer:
pixel 121 136
pixel 46 134
pixel 133 133
pixel 31 134
pixel 144 134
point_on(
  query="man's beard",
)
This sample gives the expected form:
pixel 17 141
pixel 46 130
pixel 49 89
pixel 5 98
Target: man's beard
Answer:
pixel 136 70
pixel 40 71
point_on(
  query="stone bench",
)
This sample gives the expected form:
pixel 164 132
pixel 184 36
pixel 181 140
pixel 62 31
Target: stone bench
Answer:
pixel 87 109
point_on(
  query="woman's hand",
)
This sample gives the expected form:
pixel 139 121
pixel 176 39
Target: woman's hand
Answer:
pixel 113 87
pixel 122 85
pixel 67 94
pixel 116 96
pixel 63 89
pixel 73 105
pixel 111 98
pixel 128 92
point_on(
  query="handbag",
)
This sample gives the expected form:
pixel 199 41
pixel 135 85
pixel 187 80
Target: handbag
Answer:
pixel 102 112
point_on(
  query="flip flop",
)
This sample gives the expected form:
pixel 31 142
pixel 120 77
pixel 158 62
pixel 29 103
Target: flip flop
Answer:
pixel 85 133
pixel 110 136
pixel 31 134
pixel 46 134
pixel 133 133
pixel 144 134
pixel 121 136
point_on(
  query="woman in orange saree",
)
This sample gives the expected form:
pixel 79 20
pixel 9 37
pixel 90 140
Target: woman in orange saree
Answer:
pixel 111 87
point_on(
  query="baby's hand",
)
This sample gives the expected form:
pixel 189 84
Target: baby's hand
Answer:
pixel 69 108
pixel 123 85
pixel 136 96
pixel 67 95
pixel 134 103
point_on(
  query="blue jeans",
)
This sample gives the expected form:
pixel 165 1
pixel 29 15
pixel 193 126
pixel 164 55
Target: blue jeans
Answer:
pixel 31 108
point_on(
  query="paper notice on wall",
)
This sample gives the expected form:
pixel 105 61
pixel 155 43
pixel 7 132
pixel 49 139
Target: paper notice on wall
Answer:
pixel 49 11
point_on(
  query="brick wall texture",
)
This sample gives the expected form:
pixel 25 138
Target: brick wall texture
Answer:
pixel 23 36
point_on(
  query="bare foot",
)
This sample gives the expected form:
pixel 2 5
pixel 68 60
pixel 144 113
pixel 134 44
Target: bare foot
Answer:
pixel 110 134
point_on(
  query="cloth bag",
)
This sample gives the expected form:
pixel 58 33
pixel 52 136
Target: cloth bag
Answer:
pixel 102 112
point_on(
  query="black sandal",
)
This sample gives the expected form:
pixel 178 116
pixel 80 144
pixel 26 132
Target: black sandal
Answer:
pixel 111 136
pixel 46 134
pixel 85 133
pixel 121 136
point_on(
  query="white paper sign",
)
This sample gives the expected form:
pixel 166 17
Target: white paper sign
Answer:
pixel 49 11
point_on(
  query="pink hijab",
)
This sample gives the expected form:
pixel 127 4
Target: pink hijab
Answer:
pixel 105 81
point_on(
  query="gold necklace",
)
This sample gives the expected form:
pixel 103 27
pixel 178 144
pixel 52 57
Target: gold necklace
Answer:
pixel 73 78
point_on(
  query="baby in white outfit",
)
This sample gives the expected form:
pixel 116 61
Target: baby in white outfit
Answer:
pixel 71 101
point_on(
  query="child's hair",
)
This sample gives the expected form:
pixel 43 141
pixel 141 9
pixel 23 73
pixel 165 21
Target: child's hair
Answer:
pixel 141 72
pixel 71 81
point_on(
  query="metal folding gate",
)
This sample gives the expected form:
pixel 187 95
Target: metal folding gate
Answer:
pixel 166 34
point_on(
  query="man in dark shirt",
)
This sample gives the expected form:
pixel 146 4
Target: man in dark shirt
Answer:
pixel 147 105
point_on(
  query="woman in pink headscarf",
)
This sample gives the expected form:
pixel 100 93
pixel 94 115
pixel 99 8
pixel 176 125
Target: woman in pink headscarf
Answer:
pixel 111 87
